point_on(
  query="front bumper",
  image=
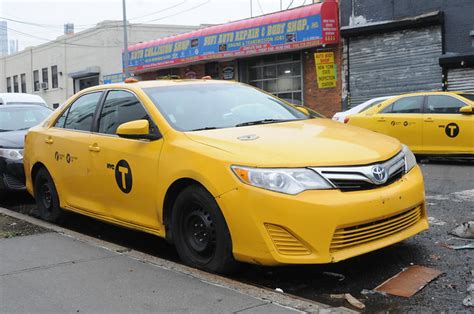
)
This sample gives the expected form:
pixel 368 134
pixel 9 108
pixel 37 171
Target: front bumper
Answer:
pixel 12 175
pixel 322 226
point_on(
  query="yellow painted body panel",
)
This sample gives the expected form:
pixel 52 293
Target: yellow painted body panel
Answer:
pixel 266 227
pixel 424 133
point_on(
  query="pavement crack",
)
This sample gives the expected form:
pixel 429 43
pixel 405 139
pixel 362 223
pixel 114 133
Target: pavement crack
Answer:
pixel 250 307
pixel 43 267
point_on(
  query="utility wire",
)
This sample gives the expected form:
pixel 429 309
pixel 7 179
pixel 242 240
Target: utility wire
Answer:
pixel 159 11
pixel 61 41
pixel 290 4
pixel 181 12
pixel 260 6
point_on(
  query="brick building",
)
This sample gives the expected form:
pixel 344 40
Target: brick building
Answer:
pixel 293 54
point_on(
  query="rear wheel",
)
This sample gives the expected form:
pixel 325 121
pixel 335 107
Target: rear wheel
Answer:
pixel 47 200
pixel 200 232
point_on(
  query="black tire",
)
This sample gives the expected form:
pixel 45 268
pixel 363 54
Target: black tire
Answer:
pixel 46 196
pixel 200 232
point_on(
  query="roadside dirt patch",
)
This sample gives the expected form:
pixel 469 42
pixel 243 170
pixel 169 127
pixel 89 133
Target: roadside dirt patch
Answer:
pixel 11 227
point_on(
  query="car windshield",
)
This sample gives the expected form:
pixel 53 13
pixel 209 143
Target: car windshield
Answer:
pixel 21 118
pixel 372 104
pixel 191 107
pixel 468 96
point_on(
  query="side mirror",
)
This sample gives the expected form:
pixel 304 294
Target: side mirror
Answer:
pixel 303 110
pixel 137 129
pixel 466 110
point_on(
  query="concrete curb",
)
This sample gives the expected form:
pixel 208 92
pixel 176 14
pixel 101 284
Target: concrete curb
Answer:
pixel 263 294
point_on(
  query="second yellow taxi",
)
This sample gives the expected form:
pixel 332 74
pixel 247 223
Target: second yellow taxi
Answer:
pixel 226 172
pixel 430 123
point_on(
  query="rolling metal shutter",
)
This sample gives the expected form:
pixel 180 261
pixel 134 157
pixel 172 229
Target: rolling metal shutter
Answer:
pixel 461 80
pixel 394 63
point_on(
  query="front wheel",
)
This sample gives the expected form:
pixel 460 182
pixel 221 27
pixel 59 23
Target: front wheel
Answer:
pixel 200 232
pixel 47 200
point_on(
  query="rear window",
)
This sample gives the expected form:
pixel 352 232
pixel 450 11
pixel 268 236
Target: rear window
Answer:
pixel 468 96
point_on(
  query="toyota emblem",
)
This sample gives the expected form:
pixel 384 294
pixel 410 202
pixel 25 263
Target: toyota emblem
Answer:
pixel 379 174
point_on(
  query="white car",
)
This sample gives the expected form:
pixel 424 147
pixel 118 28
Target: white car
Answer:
pixel 21 99
pixel 341 116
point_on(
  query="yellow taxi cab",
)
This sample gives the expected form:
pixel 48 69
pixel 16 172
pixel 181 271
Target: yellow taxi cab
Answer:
pixel 430 123
pixel 226 172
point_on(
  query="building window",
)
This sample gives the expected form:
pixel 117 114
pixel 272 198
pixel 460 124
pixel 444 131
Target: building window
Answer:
pixel 23 83
pixel 36 81
pixel 54 76
pixel 278 74
pixel 9 84
pixel 45 76
pixel 15 84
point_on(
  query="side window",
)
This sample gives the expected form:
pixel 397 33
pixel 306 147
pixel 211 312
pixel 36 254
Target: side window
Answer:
pixel 443 104
pixel 120 107
pixel 406 105
pixel 81 113
pixel 60 122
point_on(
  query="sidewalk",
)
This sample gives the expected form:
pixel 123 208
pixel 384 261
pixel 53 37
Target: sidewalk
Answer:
pixel 55 272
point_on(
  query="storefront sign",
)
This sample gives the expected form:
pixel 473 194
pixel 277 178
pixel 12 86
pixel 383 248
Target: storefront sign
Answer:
pixel 228 73
pixel 325 69
pixel 293 29
pixel 113 78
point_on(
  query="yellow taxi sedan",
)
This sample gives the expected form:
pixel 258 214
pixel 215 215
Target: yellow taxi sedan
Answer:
pixel 430 123
pixel 226 172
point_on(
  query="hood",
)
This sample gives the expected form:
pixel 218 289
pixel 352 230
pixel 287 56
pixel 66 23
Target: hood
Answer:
pixel 315 142
pixel 12 139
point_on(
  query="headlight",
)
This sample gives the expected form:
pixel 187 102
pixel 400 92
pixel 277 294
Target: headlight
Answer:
pixel 14 154
pixel 288 181
pixel 410 159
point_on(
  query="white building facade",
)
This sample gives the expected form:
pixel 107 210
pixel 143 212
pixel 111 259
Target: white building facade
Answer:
pixel 58 69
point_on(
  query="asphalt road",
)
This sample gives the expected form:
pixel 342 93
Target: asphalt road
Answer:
pixel 450 199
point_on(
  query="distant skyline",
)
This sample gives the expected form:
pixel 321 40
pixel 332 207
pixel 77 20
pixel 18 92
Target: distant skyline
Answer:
pixel 49 16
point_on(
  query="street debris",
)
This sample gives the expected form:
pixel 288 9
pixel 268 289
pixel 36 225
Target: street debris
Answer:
pixel 469 299
pixel 469 246
pixel 340 277
pixel 464 196
pixel 464 230
pixel 279 290
pixel 436 221
pixel 409 281
pixel 349 298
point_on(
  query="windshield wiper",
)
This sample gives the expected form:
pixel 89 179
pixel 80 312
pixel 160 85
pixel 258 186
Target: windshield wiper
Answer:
pixel 264 121
pixel 205 128
pixel 2 130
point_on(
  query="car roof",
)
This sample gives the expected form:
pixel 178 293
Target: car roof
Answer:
pixel 159 83
pixel 20 97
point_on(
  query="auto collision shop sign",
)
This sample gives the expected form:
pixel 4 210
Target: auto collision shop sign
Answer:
pixel 307 26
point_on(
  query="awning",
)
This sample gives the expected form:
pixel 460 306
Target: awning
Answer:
pixel 89 71
pixel 307 26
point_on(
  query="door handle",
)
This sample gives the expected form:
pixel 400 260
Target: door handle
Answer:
pixel 428 120
pixel 49 140
pixel 381 120
pixel 94 148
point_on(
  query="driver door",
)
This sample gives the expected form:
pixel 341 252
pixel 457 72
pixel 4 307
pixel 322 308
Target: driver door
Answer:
pixel 125 170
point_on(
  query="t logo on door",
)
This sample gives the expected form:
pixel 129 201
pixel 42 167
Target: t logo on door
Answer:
pixel 452 130
pixel 123 176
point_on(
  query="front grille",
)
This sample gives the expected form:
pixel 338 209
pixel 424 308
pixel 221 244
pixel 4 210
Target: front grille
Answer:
pixel 358 234
pixel 354 178
pixel 285 243
pixel 12 183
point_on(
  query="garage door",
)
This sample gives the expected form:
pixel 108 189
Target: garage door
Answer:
pixel 461 80
pixel 394 63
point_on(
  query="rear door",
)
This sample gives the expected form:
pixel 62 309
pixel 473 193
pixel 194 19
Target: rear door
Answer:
pixel 445 129
pixel 67 146
pixel 125 170
pixel 403 120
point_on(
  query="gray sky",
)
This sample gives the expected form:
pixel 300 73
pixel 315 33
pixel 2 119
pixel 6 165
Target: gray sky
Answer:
pixel 50 15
